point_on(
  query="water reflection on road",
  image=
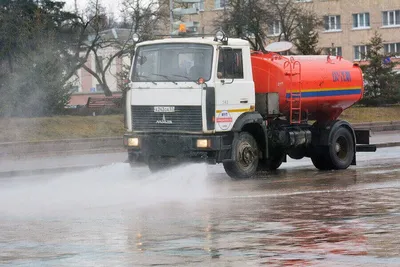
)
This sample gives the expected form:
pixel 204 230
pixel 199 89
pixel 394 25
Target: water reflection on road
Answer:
pixel 196 216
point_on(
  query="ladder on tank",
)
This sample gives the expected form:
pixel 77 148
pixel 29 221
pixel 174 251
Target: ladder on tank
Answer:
pixel 293 93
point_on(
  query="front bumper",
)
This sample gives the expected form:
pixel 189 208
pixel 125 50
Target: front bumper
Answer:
pixel 180 147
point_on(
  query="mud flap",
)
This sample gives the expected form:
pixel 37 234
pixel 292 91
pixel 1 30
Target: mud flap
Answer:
pixel 362 141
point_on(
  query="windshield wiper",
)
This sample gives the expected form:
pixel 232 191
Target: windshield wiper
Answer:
pixel 165 76
pixel 146 77
pixel 187 78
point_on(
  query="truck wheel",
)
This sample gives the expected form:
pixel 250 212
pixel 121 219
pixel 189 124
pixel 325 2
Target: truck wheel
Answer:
pixel 246 153
pixel 338 154
pixel 341 149
pixel 276 162
pixel 271 164
pixel 157 165
pixel 321 160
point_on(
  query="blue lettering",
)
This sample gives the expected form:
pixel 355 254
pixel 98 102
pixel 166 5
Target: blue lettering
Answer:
pixel 341 76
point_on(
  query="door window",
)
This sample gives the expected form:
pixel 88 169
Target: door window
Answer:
pixel 230 64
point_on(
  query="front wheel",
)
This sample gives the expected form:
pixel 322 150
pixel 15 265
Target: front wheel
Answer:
pixel 161 164
pixel 245 150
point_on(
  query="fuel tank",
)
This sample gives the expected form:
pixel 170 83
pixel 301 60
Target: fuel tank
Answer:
pixel 327 85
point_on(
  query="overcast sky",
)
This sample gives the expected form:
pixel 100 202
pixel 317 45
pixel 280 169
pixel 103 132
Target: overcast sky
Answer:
pixel 111 5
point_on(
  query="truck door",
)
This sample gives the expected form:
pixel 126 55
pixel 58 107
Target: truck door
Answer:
pixel 234 86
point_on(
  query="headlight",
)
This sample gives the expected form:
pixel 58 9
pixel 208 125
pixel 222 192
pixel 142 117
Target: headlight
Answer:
pixel 203 143
pixel 133 141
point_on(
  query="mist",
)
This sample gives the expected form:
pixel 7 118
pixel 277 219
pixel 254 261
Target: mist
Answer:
pixel 111 188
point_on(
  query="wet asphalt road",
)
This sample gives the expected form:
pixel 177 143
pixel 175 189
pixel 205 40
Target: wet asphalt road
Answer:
pixel 196 216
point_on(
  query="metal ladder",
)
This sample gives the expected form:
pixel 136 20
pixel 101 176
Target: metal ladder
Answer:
pixel 293 70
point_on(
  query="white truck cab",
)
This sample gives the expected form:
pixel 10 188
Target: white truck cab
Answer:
pixel 181 86
pixel 185 95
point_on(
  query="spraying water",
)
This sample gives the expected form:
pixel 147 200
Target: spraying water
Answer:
pixel 108 187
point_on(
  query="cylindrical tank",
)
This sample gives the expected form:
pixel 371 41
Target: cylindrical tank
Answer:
pixel 328 85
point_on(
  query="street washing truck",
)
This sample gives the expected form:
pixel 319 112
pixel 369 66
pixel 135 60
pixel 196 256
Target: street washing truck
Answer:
pixel 214 100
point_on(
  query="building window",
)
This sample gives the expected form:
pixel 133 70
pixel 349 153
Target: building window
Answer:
pixel 361 52
pixel 333 51
pixel 361 20
pixel 332 23
pixel 219 4
pixel 393 48
pixel 99 64
pixel 74 89
pixel 200 5
pixel 274 28
pixel 391 18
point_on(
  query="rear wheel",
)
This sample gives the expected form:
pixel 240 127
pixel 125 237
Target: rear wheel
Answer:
pixel 246 153
pixel 338 154
pixel 320 159
pixel 341 150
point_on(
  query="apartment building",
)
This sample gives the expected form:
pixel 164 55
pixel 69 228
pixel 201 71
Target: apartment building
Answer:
pixel 348 24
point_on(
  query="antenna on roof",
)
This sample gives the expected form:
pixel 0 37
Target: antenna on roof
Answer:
pixel 279 47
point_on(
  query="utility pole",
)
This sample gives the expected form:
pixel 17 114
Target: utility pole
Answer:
pixel 171 16
pixel 76 6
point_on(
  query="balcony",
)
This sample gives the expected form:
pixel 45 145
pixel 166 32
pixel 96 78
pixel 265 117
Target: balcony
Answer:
pixel 185 11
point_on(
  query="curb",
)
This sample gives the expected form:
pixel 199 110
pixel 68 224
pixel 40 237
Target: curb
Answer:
pixel 115 144
pixel 13 173
pixel 390 144
pixel 8 174
pixel 378 126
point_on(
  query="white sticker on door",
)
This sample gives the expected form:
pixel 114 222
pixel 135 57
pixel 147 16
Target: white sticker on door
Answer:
pixel 224 120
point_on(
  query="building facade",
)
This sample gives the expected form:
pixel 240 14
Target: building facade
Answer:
pixel 348 24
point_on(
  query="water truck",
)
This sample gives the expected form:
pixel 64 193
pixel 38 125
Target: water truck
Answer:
pixel 214 100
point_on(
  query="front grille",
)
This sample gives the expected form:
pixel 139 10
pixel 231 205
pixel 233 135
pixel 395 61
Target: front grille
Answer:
pixel 184 118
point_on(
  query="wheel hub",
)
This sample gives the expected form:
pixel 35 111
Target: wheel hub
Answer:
pixel 337 147
pixel 341 148
pixel 246 154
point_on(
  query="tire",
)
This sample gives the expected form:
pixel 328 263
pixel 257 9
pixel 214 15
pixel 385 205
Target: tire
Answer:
pixel 341 149
pixel 338 154
pixel 246 152
pixel 156 165
pixel 272 164
pixel 320 159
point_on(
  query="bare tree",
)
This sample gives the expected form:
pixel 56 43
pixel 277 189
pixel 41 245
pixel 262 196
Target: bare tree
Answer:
pixel 106 43
pixel 257 20
pixel 287 13
pixel 246 19
pixel 146 17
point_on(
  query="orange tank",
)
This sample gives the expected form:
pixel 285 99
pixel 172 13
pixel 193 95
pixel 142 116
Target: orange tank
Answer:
pixel 328 85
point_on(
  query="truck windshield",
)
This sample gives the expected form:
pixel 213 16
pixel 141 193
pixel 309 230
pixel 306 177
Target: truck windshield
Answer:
pixel 172 62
